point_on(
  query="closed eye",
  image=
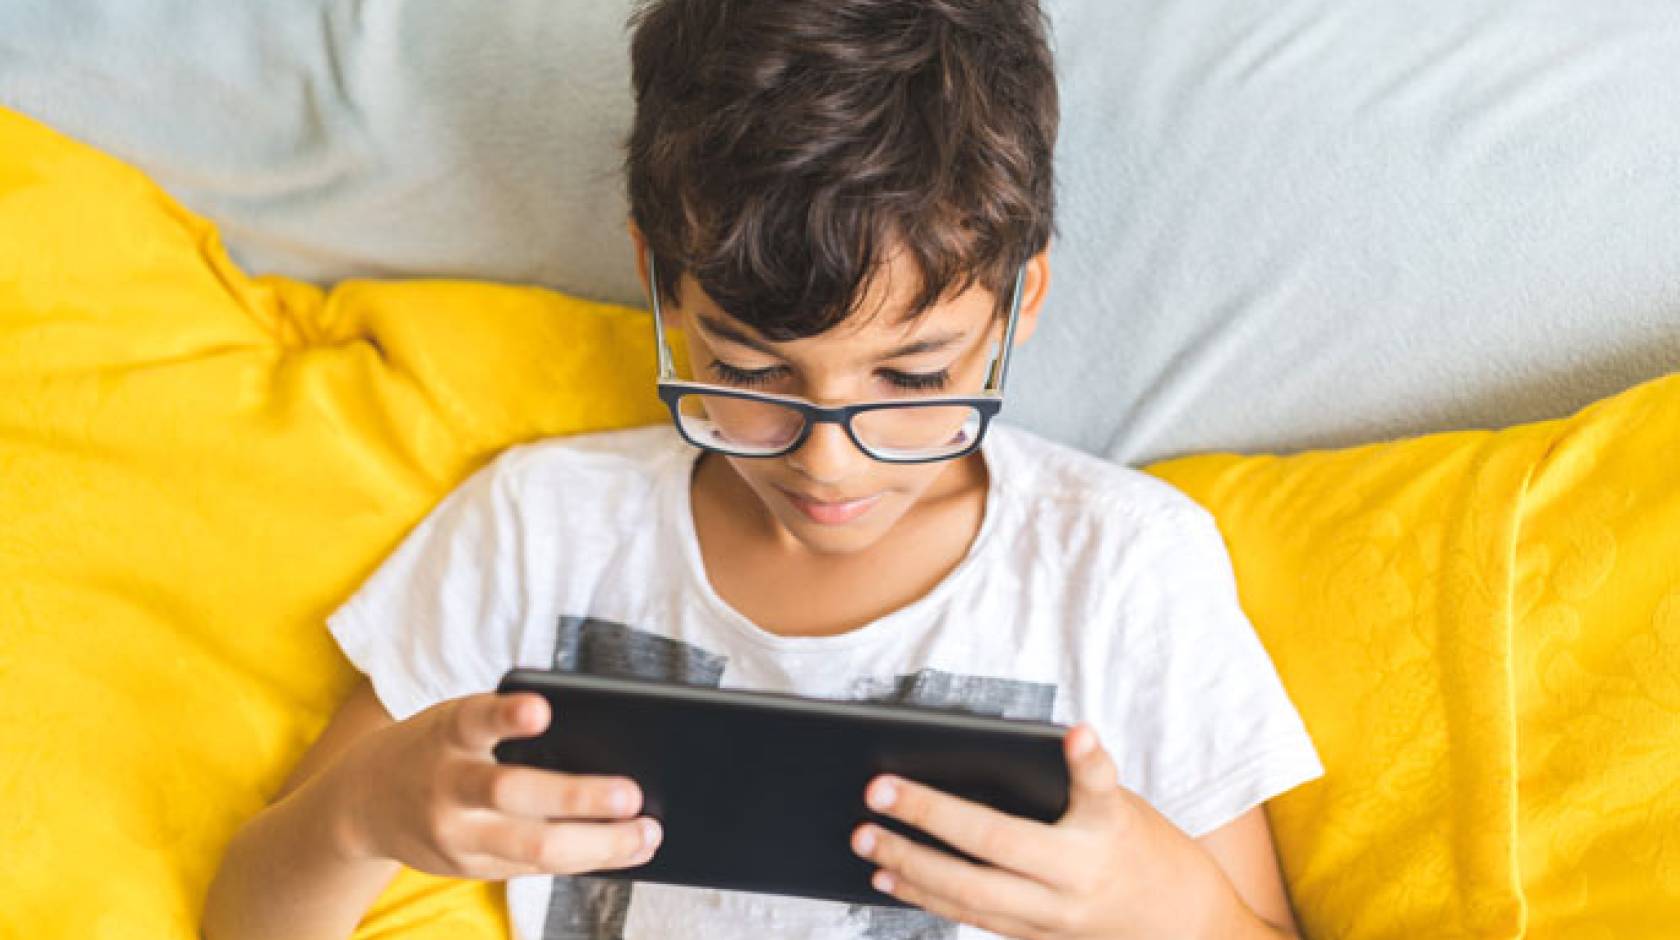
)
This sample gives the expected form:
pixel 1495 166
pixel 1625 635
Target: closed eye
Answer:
pixel 918 381
pixel 748 378
pixel 757 378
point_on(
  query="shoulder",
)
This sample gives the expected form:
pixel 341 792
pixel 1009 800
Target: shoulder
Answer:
pixel 606 469
pixel 1119 542
pixel 1055 485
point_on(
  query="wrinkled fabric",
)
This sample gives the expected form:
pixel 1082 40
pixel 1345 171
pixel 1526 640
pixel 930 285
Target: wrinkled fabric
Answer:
pixel 196 467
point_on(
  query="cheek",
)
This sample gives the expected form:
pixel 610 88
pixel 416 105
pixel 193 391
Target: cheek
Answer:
pixel 915 479
pixel 904 487
pixel 752 472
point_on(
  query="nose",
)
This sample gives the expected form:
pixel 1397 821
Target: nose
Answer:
pixel 828 454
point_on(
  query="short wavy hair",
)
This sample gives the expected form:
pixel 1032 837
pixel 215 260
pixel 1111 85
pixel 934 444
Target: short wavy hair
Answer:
pixel 782 148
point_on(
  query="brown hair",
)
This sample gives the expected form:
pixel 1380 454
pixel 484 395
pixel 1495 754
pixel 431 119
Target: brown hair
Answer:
pixel 781 148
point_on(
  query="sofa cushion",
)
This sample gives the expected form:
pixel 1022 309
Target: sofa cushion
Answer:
pixel 1482 633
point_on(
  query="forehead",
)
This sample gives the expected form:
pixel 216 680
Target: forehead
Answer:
pixel 879 321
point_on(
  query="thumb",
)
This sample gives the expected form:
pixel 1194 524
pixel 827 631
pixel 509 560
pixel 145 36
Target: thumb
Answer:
pixel 1093 778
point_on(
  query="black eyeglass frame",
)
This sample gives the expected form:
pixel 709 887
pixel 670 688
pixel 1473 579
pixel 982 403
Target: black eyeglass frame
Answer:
pixel 987 404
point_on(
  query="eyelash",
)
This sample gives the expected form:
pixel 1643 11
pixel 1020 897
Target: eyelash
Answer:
pixel 919 381
pixel 749 378
pixel 908 381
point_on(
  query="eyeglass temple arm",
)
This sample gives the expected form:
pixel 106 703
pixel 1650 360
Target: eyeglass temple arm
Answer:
pixel 1000 365
pixel 667 370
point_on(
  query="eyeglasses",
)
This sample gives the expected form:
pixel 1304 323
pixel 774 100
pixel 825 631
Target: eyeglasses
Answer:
pixel 760 424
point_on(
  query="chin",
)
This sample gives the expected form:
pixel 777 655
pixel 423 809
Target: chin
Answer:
pixel 837 539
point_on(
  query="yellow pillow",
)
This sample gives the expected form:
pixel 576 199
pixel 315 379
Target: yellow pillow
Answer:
pixel 195 468
pixel 1482 632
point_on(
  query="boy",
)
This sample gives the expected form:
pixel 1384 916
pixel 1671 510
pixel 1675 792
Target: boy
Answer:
pixel 845 206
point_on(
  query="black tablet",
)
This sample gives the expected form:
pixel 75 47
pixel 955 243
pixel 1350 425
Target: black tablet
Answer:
pixel 761 792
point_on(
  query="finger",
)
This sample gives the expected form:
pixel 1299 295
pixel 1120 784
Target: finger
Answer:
pixel 479 721
pixel 977 889
pixel 950 909
pixel 490 868
pixel 1094 781
pixel 566 848
pixel 546 794
pixel 1024 846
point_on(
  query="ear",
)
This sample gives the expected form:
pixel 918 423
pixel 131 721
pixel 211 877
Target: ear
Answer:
pixel 638 241
pixel 1033 291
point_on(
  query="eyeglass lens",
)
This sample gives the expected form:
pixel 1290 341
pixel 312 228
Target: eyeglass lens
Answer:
pixel 752 427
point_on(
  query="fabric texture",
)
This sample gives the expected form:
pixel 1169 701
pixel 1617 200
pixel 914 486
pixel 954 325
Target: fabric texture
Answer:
pixel 1092 592
pixel 1482 631
pixel 1297 224
pixel 196 467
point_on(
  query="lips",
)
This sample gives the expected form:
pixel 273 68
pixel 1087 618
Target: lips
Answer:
pixel 831 512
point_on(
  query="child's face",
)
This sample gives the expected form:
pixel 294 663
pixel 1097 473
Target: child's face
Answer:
pixel 829 496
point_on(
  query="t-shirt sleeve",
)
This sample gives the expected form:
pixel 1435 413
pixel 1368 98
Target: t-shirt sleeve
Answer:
pixel 1207 729
pixel 441 618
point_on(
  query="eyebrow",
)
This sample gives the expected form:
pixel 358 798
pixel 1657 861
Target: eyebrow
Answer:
pixel 729 334
pixel 722 330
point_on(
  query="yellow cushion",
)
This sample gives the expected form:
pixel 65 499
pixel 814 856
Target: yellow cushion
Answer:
pixel 1482 632
pixel 195 468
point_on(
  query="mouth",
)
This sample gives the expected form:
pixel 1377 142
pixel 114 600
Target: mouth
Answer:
pixel 830 512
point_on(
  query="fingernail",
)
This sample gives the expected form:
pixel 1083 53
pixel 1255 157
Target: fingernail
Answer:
pixel 883 794
pixel 651 835
pixel 1083 742
pixel 883 882
pixel 622 800
pixel 864 843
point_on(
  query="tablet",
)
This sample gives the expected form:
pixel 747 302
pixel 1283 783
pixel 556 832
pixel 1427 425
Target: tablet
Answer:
pixel 761 792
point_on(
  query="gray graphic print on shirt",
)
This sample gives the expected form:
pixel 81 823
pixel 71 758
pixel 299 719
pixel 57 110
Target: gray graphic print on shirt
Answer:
pixel 604 648
pixel 977 695
pixel 586 908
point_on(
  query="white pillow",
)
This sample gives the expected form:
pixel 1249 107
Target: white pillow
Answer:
pixel 1308 222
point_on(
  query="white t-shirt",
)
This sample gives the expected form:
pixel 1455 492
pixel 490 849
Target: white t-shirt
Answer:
pixel 1092 592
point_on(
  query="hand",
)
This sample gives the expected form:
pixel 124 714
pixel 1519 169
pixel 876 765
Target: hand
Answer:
pixel 428 792
pixel 1111 867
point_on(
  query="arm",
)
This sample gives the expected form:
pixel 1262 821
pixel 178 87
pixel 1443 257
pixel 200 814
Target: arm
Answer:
pixel 294 869
pixel 1244 852
pixel 373 794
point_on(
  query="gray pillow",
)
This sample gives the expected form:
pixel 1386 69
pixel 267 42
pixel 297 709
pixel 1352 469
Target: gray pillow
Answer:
pixel 1282 225
pixel 1318 222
